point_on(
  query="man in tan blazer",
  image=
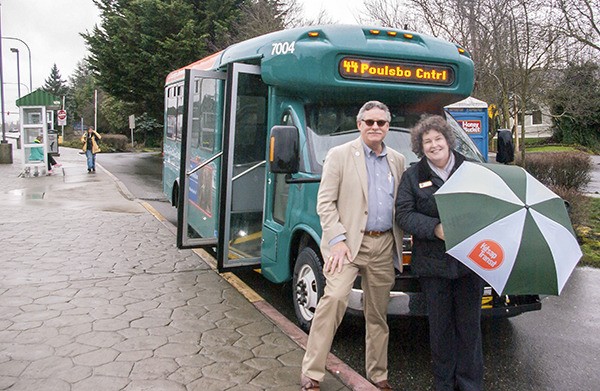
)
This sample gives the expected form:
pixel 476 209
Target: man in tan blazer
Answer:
pixel 356 208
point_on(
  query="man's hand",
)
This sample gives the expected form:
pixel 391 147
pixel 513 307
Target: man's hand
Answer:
pixel 339 253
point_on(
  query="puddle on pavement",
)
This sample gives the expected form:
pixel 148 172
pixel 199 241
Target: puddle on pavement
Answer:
pixel 28 194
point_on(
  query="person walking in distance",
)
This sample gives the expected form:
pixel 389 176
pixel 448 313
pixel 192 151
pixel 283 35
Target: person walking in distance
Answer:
pixel 355 205
pixel 90 147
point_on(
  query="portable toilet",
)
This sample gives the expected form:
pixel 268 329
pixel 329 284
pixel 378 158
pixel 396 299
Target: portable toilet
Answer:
pixel 472 115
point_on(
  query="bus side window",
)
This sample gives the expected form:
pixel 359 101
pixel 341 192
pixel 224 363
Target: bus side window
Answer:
pixel 171 113
pixel 204 108
pixel 179 111
pixel 196 114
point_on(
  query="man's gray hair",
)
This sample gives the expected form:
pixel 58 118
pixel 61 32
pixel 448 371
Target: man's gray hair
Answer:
pixel 372 104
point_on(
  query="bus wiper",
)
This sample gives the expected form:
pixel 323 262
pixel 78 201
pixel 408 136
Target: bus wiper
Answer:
pixel 343 132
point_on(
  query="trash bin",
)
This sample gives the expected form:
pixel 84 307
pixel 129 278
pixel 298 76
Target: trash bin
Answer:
pixel 53 142
pixel 505 147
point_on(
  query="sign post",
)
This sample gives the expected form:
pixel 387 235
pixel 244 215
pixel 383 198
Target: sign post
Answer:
pixel 62 121
pixel 131 126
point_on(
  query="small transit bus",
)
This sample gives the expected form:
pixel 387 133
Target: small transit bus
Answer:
pixel 247 130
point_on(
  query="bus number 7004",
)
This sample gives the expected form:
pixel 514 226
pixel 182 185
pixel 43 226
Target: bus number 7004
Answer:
pixel 282 48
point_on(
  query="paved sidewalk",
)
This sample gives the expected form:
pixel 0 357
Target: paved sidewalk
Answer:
pixel 94 295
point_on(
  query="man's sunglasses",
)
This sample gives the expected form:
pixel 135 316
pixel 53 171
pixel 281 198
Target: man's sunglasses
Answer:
pixel 370 122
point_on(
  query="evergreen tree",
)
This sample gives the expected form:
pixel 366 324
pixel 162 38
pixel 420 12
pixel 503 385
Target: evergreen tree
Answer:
pixel 260 17
pixel 139 42
pixel 575 105
pixel 112 114
pixel 79 103
pixel 54 84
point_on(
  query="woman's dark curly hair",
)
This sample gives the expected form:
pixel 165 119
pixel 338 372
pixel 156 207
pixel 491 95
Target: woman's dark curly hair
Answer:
pixel 426 123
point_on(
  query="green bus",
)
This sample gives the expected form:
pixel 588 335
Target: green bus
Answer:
pixel 247 130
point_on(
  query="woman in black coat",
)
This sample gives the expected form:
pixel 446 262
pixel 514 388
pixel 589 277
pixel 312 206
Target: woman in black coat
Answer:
pixel 453 292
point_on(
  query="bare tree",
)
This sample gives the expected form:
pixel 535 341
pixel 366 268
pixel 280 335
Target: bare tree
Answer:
pixel 264 16
pixel 580 21
pixel 387 13
pixel 260 17
pixel 322 18
pixel 513 44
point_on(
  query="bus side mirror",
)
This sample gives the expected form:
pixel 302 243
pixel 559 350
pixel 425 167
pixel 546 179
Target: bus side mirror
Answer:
pixel 284 150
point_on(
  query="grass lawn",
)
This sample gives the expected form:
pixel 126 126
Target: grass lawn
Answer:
pixel 551 148
pixel 589 235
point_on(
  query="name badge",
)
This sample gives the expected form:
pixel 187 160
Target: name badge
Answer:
pixel 425 184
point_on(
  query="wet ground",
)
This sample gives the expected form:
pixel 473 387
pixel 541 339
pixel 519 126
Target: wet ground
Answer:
pixel 556 348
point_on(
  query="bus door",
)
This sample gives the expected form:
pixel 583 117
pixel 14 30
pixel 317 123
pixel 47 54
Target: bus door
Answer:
pixel 224 176
pixel 243 179
pixel 223 164
pixel 201 154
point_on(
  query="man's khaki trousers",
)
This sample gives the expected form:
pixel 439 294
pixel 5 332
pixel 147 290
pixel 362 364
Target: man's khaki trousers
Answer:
pixel 375 264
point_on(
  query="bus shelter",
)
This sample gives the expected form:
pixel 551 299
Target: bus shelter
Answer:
pixel 37 119
pixel 472 115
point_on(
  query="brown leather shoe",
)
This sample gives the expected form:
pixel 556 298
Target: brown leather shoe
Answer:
pixel 308 384
pixel 383 385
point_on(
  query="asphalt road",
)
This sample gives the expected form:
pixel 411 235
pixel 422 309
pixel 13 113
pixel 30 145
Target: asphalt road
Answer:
pixel 555 349
pixel 593 187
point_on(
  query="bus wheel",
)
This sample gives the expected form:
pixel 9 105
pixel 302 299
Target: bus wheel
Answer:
pixel 175 195
pixel 309 283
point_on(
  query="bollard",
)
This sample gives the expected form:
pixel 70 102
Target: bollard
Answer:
pixel 6 156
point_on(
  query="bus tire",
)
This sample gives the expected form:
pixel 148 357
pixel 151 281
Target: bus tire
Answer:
pixel 308 286
pixel 175 195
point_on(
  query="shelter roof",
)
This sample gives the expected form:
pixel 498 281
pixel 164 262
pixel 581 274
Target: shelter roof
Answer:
pixel 39 97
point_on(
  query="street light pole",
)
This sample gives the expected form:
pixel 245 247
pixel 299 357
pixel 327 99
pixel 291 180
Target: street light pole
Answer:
pixel 5 146
pixel 22 85
pixel 2 81
pixel 29 52
pixel 15 50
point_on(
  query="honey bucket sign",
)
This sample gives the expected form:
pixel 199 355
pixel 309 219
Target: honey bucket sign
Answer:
pixel 470 126
pixel 508 228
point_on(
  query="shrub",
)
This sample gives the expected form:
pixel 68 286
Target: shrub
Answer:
pixel 115 143
pixel 578 205
pixel 567 170
pixel 109 142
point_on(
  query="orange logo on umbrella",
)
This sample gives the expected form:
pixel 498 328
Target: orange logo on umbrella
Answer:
pixel 487 254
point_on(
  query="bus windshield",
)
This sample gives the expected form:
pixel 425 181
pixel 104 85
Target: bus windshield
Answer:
pixel 331 125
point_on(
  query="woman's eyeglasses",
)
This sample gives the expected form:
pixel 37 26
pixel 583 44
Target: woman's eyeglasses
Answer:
pixel 370 122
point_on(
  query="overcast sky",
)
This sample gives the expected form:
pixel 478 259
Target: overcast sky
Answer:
pixel 51 30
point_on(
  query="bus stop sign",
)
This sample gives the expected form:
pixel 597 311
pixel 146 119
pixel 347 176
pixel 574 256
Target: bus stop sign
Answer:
pixel 62 117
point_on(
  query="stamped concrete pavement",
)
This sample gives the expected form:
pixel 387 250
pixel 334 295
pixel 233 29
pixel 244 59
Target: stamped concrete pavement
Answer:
pixel 94 295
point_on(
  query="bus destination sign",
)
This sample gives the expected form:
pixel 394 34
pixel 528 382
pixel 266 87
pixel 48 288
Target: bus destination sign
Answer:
pixel 396 71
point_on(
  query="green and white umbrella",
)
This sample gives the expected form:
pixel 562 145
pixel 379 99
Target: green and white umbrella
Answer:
pixel 508 228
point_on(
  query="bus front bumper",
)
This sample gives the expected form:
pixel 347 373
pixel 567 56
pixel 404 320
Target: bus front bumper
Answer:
pixel 413 304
